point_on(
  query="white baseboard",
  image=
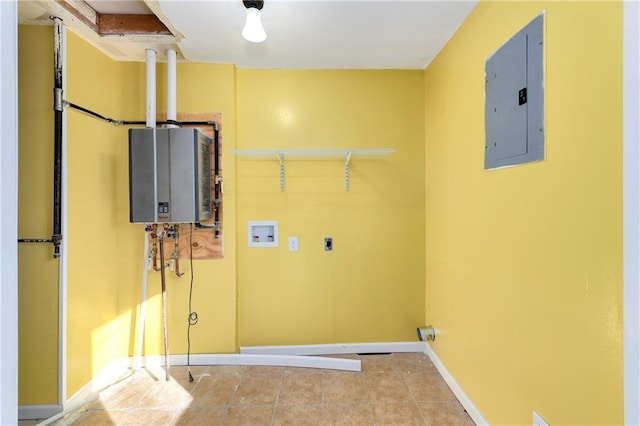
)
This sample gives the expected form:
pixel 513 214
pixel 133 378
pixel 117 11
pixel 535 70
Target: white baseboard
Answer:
pixel 282 356
pixel 335 349
pixel 256 359
pixel 37 412
pixel 466 402
pixel 121 368
pixel 115 371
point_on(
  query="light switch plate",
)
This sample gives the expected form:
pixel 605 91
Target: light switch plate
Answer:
pixel 293 243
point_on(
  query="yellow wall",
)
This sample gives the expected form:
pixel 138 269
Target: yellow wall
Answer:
pixel 37 270
pixel 371 286
pixel 92 339
pixel 92 333
pixel 524 264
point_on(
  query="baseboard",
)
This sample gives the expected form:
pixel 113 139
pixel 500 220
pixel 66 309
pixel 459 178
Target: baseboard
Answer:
pixel 255 359
pixel 114 372
pixel 335 349
pixel 38 412
pixel 466 402
pixel 122 368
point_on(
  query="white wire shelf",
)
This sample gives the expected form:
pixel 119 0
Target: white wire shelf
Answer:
pixel 313 154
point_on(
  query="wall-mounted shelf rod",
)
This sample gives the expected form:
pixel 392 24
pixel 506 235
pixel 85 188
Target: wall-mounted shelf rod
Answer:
pixel 311 153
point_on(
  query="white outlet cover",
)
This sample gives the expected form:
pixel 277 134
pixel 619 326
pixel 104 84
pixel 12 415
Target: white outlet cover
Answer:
pixel 293 243
pixel 538 420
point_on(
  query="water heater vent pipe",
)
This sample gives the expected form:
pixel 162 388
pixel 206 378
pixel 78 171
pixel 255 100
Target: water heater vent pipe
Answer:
pixel 151 88
pixel 171 87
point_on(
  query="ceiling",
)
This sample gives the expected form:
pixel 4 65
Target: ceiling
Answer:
pixel 301 34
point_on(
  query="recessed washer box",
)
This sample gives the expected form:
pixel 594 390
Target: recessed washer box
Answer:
pixel 262 233
pixel 514 99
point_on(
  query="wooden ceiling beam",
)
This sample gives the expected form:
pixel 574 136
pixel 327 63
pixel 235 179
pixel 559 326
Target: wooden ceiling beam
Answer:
pixel 120 24
pixel 81 11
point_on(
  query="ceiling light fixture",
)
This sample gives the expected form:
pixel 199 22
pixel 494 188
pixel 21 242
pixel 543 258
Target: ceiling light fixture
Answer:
pixel 253 30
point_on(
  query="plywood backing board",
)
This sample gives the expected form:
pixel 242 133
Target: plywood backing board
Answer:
pixel 200 241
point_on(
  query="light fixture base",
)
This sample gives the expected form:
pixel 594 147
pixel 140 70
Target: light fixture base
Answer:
pixel 256 4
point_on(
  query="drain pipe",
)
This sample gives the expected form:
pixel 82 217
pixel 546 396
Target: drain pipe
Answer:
pixel 150 112
pixel 151 88
pixel 142 313
pixel 57 136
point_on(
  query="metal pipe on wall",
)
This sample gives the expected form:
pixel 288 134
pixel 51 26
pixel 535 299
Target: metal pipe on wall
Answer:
pixel 151 88
pixel 217 187
pixel 58 97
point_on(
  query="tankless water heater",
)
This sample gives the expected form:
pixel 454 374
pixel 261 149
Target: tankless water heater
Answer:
pixel 169 175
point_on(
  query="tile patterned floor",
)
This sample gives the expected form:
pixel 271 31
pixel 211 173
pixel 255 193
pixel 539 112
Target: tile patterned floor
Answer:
pixel 394 389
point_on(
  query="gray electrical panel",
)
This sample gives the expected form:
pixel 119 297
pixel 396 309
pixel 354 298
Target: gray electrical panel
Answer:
pixel 169 175
pixel 514 100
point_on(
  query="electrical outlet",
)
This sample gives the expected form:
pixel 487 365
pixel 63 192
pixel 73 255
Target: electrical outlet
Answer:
pixel 538 420
pixel 293 243
pixel 328 244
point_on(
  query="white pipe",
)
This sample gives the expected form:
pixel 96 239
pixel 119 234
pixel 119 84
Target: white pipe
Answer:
pixel 69 410
pixel 171 86
pixel 137 365
pixel 151 88
pixel 75 407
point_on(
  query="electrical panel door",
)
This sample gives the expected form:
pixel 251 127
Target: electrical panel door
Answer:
pixel 169 176
pixel 514 100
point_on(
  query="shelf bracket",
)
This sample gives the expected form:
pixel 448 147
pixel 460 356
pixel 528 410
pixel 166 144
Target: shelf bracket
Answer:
pixel 281 160
pixel 347 159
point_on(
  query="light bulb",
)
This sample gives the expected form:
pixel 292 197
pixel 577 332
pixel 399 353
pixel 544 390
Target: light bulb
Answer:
pixel 253 30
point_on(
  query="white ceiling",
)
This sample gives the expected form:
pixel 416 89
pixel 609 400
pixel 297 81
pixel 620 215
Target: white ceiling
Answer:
pixel 132 7
pixel 301 34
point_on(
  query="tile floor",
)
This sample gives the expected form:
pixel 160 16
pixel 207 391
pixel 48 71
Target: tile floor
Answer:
pixel 394 389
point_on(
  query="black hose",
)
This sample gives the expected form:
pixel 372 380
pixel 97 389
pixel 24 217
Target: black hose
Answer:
pixel 92 113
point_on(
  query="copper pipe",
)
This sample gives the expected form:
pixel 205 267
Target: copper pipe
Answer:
pixel 176 252
pixel 154 250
